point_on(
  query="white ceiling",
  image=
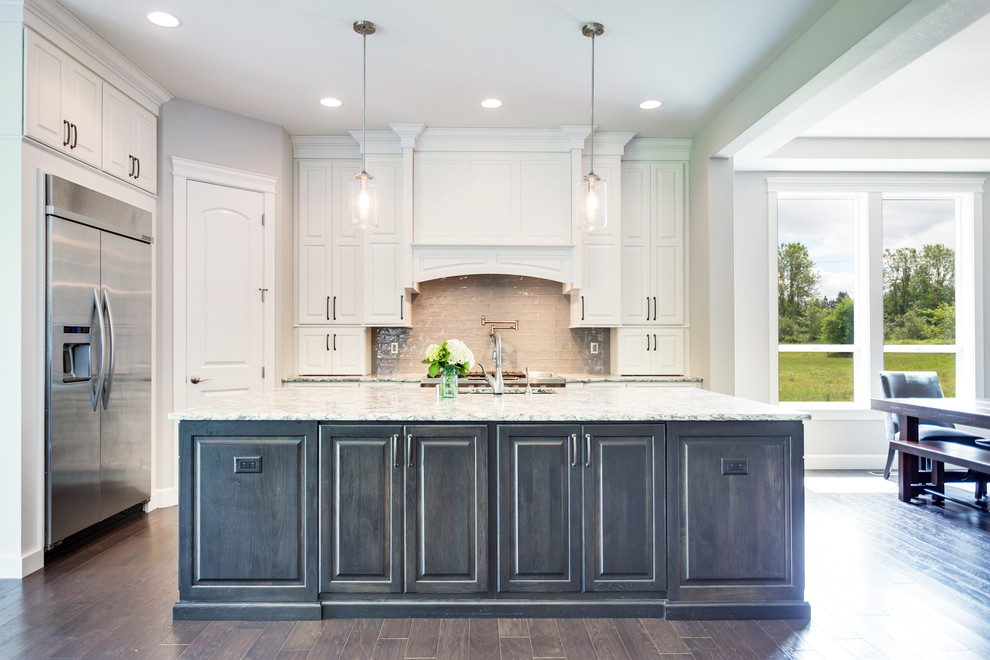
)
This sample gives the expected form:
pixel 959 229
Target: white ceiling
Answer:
pixel 433 61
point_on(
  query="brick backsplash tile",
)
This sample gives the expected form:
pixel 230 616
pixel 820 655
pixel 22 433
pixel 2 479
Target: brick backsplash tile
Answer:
pixel 452 307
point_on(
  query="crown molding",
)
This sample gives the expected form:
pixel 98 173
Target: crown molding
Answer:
pixel 855 183
pixel 379 141
pixel 197 171
pixel 407 133
pixel 643 148
pixel 53 21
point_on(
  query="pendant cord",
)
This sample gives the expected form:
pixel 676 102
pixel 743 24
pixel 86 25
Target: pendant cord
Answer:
pixel 592 102
pixel 364 100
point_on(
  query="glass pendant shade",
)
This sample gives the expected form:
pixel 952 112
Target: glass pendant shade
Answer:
pixel 592 210
pixel 364 201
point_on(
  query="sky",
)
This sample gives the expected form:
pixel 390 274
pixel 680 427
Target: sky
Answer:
pixel 827 228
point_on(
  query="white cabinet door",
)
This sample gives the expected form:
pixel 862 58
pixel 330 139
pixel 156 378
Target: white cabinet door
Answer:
pixel 345 288
pixel 117 157
pixel 647 351
pixel 83 103
pixel 385 303
pixel 44 118
pixel 332 351
pixel 597 304
pixel 63 101
pixel 142 136
pixel 314 190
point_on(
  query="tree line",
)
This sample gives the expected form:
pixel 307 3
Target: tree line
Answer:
pixel 918 298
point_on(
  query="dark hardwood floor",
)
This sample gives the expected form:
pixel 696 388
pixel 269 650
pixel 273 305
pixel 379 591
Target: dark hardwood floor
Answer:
pixel 885 580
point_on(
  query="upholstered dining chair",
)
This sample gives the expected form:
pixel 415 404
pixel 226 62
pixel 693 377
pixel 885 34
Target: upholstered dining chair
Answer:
pixel 924 385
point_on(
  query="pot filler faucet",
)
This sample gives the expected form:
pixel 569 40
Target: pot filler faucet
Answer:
pixel 496 381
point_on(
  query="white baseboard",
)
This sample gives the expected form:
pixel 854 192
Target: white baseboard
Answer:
pixel 15 568
pixel 163 497
pixel 872 462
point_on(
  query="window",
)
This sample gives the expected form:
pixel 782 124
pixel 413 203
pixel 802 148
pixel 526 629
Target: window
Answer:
pixel 872 275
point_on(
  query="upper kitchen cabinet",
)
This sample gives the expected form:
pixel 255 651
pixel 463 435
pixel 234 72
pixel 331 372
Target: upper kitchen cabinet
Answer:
pixel 64 101
pixel 129 139
pixel 347 276
pixel 76 111
pixel 596 303
pixel 492 198
pixel 653 286
pixel 328 251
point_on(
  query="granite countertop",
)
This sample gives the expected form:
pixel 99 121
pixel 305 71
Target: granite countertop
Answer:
pixel 575 378
pixel 602 404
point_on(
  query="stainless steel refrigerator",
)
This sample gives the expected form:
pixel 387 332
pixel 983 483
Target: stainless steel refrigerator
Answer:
pixel 98 349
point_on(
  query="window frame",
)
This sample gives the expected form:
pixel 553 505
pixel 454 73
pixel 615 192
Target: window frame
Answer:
pixel 868 345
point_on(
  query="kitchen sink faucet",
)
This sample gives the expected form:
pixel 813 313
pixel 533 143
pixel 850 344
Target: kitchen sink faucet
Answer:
pixel 497 382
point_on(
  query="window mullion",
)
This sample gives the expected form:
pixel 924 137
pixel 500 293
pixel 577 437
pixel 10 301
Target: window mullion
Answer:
pixel 869 340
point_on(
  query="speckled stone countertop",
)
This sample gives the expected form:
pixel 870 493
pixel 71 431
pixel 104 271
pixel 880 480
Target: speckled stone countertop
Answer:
pixel 580 378
pixel 601 404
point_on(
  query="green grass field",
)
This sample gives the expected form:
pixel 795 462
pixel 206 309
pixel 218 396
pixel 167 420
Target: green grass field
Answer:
pixel 818 377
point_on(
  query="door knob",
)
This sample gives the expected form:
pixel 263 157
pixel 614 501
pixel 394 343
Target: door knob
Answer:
pixel 196 380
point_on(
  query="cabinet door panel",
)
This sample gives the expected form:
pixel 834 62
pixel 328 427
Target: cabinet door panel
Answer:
pixel 385 299
pixel 635 351
pixel 544 192
pixel 44 114
pixel 143 138
pixel 440 202
pixel 248 511
pixel 636 284
pixel 361 508
pixel 669 204
pixel 539 508
pixel 116 159
pixel 82 104
pixel 624 507
pixel 446 509
pixel 314 193
pixel 669 263
pixel 349 354
pixel 598 300
pixel 492 200
pixel 345 304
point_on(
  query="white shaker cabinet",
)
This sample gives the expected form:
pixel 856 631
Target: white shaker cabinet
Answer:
pixel 653 285
pixel 332 350
pixel 645 351
pixel 385 299
pixel 328 251
pixel 63 101
pixel 129 139
pixel 598 302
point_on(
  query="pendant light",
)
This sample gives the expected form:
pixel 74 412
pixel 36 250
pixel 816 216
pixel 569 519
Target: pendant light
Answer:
pixel 364 188
pixel 592 210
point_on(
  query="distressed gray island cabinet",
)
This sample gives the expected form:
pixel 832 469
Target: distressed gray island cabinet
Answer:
pixel 346 502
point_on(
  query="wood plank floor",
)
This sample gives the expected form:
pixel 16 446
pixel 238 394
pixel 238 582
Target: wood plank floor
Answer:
pixel 885 580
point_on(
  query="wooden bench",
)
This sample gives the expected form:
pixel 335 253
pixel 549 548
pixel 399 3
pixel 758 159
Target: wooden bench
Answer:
pixel 939 452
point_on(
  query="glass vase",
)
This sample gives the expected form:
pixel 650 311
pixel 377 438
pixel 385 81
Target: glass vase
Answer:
pixel 448 383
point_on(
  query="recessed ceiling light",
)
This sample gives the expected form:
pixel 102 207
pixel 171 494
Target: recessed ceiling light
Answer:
pixel 331 102
pixel 164 19
pixel 650 105
pixel 491 103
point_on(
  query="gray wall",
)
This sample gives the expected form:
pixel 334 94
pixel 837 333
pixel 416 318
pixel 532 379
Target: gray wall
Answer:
pixel 208 135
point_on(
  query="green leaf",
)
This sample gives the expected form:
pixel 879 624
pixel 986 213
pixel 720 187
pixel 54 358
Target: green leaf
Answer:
pixel 434 370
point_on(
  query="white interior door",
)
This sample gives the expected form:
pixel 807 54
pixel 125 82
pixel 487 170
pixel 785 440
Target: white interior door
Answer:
pixel 225 256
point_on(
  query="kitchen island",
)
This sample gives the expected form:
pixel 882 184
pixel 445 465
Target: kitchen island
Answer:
pixel 609 501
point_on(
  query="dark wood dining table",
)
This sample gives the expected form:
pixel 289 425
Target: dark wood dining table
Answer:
pixel 966 411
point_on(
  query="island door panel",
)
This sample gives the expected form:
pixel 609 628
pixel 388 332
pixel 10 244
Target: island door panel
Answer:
pixel 539 508
pixel 624 508
pixel 361 508
pixel 446 509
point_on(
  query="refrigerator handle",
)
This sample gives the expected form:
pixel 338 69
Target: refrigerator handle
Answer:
pixel 111 369
pixel 98 313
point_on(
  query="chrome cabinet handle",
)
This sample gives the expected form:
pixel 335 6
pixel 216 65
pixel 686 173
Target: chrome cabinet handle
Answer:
pixel 111 369
pixel 409 451
pixel 587 445
pixel 196 380
pixel 574 449
pixel 582 308
pixel 395 450
pixel 402 311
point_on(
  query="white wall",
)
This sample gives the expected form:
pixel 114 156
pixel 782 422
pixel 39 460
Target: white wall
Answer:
pixel 204 134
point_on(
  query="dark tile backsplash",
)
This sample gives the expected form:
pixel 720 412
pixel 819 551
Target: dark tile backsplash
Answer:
pixel 452 307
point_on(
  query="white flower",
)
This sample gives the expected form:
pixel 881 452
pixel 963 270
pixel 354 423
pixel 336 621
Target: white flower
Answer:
pixel 433 352
pixel 459 353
